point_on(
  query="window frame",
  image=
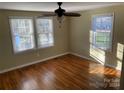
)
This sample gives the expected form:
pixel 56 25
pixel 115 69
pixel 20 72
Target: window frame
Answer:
pixel 36 33
pixel 12 37
pixel 111 34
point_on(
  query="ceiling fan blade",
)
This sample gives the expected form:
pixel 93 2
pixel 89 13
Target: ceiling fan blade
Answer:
pixel 47 15
pixel 72 14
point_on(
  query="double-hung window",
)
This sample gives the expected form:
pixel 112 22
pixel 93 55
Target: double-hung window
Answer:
pixel 22 33
pixel 44 32
pixel 102 31
pixel 25 37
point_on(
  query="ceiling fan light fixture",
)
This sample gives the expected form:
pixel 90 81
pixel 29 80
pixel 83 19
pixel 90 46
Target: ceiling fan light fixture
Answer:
pixel 60 19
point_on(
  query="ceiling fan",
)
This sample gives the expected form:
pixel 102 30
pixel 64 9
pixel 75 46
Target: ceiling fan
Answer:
pixel 62 12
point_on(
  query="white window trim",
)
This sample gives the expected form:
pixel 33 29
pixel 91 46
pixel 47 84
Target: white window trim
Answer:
pixel 37 30
pixel 111 42
pixel 12 37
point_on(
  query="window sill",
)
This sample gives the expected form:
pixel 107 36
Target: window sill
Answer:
pixel 46 46
pixel 25 51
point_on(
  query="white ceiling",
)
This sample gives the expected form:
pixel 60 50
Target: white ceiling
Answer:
pixel 51 6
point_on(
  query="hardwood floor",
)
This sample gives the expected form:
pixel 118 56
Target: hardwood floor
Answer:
pixel 65 72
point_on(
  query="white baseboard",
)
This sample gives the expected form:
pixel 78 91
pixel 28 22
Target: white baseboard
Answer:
pixel 31 63
pixel 110 66
pixel 93 60
pixel 113 67
pixel 81 56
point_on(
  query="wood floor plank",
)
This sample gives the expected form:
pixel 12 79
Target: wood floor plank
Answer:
pixel 65 72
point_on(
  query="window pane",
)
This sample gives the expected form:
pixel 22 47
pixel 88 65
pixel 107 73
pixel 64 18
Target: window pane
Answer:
pixel 44 32
pixel 102 27
pixel 22 34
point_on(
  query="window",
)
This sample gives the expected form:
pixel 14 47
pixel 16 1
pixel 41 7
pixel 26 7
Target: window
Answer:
pixel 44 32
pixel 102 31
pixel 22 34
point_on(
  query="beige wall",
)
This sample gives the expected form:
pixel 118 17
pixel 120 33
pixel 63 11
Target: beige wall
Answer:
pixel 9 60
pixel 73 36
pixel 80 32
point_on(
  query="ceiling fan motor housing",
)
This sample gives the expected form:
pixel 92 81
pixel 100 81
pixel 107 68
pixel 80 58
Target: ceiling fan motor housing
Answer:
pixel 60 12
